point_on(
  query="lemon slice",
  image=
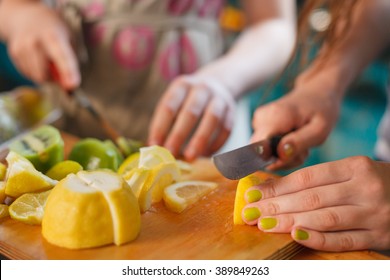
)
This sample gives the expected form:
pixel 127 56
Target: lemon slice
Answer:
pixel 22 177
pixel 4 211
pixel 29 207
pixel 3 170
pixel 129 163
pixel 184 167
pixel 152 191
pixel 90 209
pixel 154 155
pixel 64 168
pixel 239 202
pixel 177 197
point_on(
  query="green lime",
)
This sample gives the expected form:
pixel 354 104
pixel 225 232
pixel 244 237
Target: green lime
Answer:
pixel 95 154
pixel 128 146
pixel 63 168
pixel 43 146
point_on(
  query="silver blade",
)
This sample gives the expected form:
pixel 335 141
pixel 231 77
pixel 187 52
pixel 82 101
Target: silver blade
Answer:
pixel 243 161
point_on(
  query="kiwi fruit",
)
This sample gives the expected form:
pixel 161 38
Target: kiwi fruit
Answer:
pixel 43 147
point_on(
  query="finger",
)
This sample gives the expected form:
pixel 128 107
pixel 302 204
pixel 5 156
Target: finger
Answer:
pixel 199 142
pixel 222 135
pixel 337 218
pixel 60 52
pixel 310 199
pixel 187 119
pixel 166 112
pixel 292 162
pixel 309 177
pixel 38 65
pixel 333 241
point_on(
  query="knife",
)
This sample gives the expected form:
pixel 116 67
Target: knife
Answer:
pixel 243 161
pixel 82 99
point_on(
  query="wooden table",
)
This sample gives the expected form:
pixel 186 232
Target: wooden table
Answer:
pixel 205 231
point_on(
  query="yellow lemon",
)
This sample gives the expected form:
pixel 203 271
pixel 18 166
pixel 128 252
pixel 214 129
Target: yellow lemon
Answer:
pixel 152 156
pixel 22 177
pixel 184 167
pixel 63 168
pixel 177 197
pixel 136 179
pixel 90 209
pixel 3 170
pixel 4 211
pixel 29 207
pixel 2 192
pixel 239 202
pixel 129 163
pixel 152 191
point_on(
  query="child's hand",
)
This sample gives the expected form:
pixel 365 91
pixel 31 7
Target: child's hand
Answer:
pixel 36 35
pixel 194 108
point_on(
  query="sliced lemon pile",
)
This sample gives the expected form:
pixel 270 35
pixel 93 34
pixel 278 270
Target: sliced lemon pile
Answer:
pixel 90 209
pixel 179 196
pixel 239 202
pixel 129 163
pixel 22 177
pixel 2 191
pixel 3 170
pixel 29 207
pixel 4 211
pixel 60 170
pixel 155 169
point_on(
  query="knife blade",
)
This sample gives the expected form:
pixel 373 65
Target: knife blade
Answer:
pixel 245 160
pixel 82 99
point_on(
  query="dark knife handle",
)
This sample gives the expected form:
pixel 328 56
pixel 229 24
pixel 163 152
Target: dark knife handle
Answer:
pixel 274 142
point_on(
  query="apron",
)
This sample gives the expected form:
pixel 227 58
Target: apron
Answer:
pixel 129 52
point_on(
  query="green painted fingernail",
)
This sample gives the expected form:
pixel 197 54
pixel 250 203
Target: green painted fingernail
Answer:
pixel 301 234
pixel 251 214
pixel 288 150
pixel 254 195
pixel 268 223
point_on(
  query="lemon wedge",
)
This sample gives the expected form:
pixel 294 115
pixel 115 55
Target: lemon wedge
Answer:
pixel 152 156
pixel 91 209
pixel 239 202
pixel 22 177
pixel 161 176
pixel 129 163
pixel 3 170
pixel 29 207
pixel 136 179
pixel 179 196
pixel 4 211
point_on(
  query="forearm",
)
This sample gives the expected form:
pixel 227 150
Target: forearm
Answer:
pixel 261 51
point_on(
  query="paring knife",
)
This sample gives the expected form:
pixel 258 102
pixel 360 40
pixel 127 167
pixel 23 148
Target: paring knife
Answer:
pixel 84 102
pixel 243 161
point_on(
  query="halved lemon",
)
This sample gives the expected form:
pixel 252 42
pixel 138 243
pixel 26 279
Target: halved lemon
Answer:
pixel 22 177
pixel 4 211
pixel 64 168
pixel 90 209
pixel 129 163
pixel 239 202
pixel 179 196
pixel 29 207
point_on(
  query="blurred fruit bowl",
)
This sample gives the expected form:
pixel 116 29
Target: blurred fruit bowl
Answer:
pixel 23 109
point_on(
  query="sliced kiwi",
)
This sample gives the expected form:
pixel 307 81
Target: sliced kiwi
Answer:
pixel 44 147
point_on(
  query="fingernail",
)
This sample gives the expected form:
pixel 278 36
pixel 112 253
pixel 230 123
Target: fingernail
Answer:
pixel 288 149
pixel 268 223
pixel 300 234
pixel 251 213
pixel 253 196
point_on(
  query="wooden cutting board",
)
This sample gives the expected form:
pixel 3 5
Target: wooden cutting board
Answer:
pixel 205 231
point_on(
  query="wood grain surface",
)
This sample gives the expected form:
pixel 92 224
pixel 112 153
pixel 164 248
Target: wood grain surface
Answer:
pixel 205 231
